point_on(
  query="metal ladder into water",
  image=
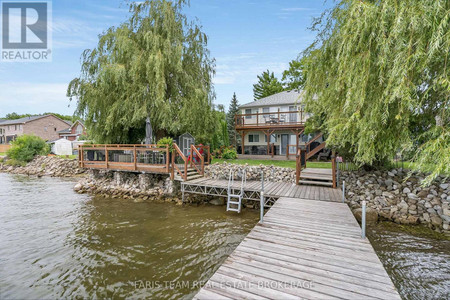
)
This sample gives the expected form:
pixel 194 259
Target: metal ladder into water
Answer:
pixel 239 197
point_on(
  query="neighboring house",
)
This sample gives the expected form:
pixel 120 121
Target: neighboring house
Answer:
pixel 1 132
pixel 73 132
pixel 273 124
pixel 46 127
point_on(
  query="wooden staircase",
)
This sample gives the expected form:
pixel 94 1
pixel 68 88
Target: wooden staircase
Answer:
pixel 184 169
pixel 191 174
pixel 312 176
pixel 312 147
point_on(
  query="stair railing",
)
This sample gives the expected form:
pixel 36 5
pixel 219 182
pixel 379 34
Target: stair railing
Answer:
pixel 197 160
pixel 309 144
pixel 179 154
pixel 300 163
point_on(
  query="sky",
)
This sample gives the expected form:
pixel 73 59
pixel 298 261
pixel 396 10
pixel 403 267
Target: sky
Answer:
pixel 245 37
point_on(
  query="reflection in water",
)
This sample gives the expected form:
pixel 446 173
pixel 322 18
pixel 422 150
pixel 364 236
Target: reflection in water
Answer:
pixel 419 266
pixel 55 243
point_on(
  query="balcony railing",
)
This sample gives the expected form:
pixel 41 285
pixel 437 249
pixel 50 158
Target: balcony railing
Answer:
pixel 271 119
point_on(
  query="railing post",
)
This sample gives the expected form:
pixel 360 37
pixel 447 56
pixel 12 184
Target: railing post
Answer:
pixel 106 156
pixel 343 191
pixel 185 168
pixel 261 209
pixel 257 118
pixel 135 158
pixel 172 174
pixel 82 156
pixel 363 220
pixel 167 158
pixel 333 169
pixel 337 173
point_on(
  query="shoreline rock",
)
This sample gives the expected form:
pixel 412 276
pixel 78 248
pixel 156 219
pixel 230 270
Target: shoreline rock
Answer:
pixel 387 192
pixel 46 166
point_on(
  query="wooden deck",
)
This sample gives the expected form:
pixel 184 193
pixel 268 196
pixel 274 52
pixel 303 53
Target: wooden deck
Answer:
pixel 305 249
pixel 272 190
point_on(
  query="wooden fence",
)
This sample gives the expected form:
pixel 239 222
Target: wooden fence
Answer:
pixel 4 148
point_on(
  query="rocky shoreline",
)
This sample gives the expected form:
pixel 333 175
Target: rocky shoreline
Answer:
pixel 390 195
pixel 139 187
pixel 46 166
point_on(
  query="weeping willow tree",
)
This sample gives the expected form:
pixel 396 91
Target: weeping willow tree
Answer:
pixel 155 64
pixel 378 82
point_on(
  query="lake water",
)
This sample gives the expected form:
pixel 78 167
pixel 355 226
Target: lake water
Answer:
pixel 55 243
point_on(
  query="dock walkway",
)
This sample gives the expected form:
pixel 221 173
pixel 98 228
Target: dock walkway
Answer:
pixel 305 249
pixel 252 190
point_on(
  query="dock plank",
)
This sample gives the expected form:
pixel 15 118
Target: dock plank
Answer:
pixel 303 239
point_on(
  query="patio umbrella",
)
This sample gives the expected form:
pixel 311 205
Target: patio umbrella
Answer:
pixel 148 132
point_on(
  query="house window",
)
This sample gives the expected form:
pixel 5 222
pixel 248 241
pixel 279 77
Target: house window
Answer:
pixel 253 138
pixel 293 116
pixel 79 129
pixel 247 112
pixel 273 138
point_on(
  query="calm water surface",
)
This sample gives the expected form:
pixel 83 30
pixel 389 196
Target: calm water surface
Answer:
pixel 55 243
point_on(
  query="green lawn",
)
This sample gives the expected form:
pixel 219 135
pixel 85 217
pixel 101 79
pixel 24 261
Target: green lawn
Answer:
pixel 68 157
pixel 277 163
pixel 2 153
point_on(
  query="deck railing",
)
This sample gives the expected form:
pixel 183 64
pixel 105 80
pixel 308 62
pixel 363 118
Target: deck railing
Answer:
pixel 271 119
pixel 179 162
pixel 149 158
pixel 197 160
pixel 205 152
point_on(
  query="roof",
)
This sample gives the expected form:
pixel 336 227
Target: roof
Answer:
pixel 2 120
pixel 27 119
pixel 21 120
pixel 67 130
pixel 283 98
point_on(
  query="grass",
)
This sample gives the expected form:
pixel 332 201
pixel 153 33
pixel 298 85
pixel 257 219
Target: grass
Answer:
pixel 68 156
pixel 2 153
pixel 276 163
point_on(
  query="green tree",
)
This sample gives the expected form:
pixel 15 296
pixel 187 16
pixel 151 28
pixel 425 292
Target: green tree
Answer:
pixel 155 64
pixel 267 85
pixel 295 76
pixel 379 66
pixel 233 110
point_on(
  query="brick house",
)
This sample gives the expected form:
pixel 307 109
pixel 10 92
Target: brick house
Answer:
pixel 46 127
pixel 73 132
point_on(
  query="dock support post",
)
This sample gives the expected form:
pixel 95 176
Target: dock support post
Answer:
pixel 261 208
pixel 363 220
pixel 343 191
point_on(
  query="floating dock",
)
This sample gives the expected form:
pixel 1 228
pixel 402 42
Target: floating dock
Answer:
pixel 304 249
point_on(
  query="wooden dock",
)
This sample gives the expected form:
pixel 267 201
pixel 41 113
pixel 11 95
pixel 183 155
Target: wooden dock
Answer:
pixel 304 249
pixel 272 190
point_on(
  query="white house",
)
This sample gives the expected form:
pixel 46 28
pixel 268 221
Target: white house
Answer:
pixel 273 124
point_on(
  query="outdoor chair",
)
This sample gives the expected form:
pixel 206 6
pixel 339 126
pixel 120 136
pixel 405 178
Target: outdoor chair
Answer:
pixel 324 154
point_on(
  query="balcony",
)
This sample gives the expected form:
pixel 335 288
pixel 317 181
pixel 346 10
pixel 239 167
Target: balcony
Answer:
pixel 272 120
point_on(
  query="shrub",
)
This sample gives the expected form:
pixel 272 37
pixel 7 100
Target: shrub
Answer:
pixel 229 153
pixel 166 141
pixel 26 147
pixel 225 153
pixel 15 163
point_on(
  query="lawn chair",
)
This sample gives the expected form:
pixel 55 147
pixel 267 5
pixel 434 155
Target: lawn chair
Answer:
pixel 325 154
